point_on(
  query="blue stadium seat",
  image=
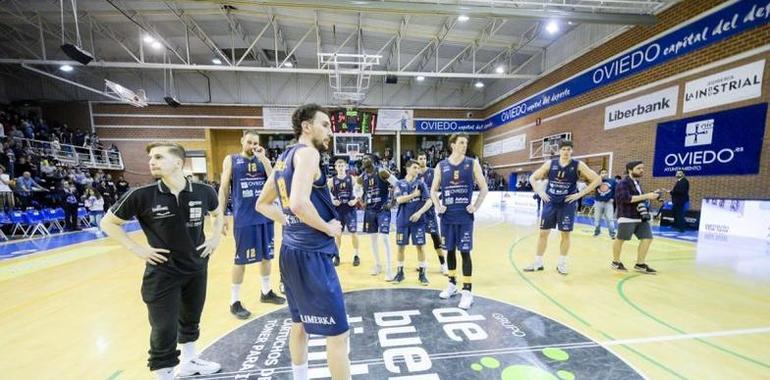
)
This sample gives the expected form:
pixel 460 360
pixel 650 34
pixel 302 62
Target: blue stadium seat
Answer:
pixel 35 222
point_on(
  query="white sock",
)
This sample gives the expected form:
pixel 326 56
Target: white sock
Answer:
pixel 265 284
pixel 388 254
pixel 562 259
pixel 375 249
pixel 164 373
pixel 188 351
pixel 539 260
pixel 424 264
pixel 355 252
pixel 299 371
pixel 235 293
pixel 400 265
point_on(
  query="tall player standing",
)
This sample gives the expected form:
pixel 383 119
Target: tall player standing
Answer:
pixel 343 198
pixel 309 228
pixel 431 220
pixel 457 176
pixel 376 182
pixel 245 174
pixel 560 201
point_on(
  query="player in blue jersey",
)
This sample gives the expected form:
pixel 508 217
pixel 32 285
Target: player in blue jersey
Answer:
pixel 342 188
pixel 413 199
pixel 376 183
pixel 310 226
pixel 559 197
pixel 454 180
pixel 243 177
pixel 431 221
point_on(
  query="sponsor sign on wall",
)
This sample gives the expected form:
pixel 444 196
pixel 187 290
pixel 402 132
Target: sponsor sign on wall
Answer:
pixel 511 144
pixel 648 107
pixel 730 86
pixel 449 125
pixel 277 117
pixel 727 142
pixel 395 120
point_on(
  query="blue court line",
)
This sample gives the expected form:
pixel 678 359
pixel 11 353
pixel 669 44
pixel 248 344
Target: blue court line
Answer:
pixel 18 248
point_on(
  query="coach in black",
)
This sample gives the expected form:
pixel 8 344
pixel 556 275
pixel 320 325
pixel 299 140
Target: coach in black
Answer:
pixel 171 213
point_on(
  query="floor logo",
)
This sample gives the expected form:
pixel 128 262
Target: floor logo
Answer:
pixel 411 333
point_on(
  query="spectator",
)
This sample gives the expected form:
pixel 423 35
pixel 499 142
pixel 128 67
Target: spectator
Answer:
pixel 25 186
pixel 122 187
pixel 604 204
pixel 22 165
pixel 69 195
pixel 94 203
pixel 680 195
pixel 6 194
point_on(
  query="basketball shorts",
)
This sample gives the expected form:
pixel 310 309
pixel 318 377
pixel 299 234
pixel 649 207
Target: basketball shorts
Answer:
pixel 561 214
pixel 457 236
pixel 253 243
pixel 313 291
pixel 431 223
pixel 415 231
pixel 348 219
pixel 376 221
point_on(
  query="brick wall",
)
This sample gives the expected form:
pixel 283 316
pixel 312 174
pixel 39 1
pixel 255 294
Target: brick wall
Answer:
pixel 638 142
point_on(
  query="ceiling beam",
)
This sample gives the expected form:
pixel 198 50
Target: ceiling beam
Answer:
pixel 142 23
pixel 543 11
pixel 195 67
pixel 237 28
pixel 193 27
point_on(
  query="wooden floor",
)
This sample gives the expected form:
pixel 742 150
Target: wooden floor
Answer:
pixel 76 313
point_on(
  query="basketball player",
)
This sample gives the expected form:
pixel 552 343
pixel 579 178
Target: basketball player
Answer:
pixel 413 201
pixel 247 172
pixel 431 221
pixel 341 187
pixel 171 212
pixel 309 230
pixel 457 176
pixel 559 198
pixel 376 184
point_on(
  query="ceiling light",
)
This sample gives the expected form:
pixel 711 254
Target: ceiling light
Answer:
pixel 420 78
pixel 463 18
pixel 216 61
pixel 552 27
pixel 570 23
pixel 479 84
pixel 157 45
pixel 65 68
pixel 148 39
pixel 500 69
pixel 288 64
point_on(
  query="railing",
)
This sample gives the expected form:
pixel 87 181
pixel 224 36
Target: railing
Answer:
pixel 75 155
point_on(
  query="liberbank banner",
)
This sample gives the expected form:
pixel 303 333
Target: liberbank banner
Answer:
pixel 724 23
pixel 727 142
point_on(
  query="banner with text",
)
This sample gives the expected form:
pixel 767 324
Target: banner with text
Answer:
pixel 729 86
pixel 511 144
pixel 277 117
pixel 395 120
pixel 727 142
pixel 449 125
pixel 652 106
pixel 724 23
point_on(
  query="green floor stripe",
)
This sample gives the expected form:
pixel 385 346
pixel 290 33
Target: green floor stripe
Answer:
pixel 581 320
pixel 115 375
pixel 620 286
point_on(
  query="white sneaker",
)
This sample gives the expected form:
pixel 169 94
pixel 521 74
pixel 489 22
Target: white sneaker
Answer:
pixel 562 268
pixel 198 366
pixel 466 300
pixel 164 373
pixel 389 276
pixel 444 269
pixel 376 269
pixel 450 290
pixel 534 267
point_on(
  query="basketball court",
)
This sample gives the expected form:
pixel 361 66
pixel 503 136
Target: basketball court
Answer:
pixel 678 85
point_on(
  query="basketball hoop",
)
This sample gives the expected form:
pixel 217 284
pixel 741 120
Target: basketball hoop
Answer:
pixel 351 74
